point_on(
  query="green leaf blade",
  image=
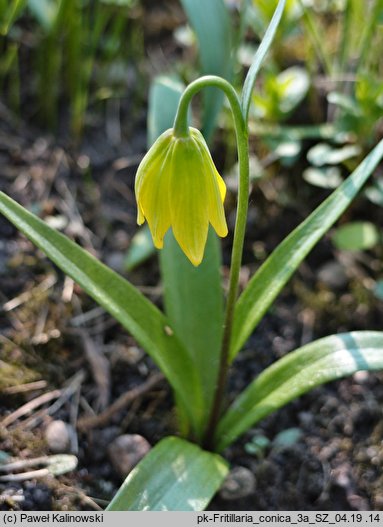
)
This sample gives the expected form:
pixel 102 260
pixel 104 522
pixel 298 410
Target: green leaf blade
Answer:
pixel 9 14
pixel 259 58
pixel 194 304
pixel 356 236
pixel 44 11
pixel 211 23
pixel 175 476
pixel 271 277
pixel 123 301
pixel 298 372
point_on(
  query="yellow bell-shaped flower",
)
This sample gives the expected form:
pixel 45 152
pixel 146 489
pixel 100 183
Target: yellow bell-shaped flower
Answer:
pixel 178 186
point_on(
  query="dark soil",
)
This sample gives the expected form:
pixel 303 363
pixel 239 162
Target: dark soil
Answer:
pixel 54 331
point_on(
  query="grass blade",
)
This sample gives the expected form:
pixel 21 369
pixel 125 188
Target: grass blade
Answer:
pixel 316 38
pixel 369 31
pixel 9 15
pixel 298 372
pixel 344 43
pixel 281 264
pixel 259 57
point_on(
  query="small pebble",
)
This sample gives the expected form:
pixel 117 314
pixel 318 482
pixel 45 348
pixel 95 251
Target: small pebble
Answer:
pixel 333 275
pixel 361 376
pixel 58 436
pixel 126 451
pixel 239 483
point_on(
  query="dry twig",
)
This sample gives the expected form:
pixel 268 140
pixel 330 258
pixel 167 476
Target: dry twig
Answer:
pixel 66 393
pixel 61 395
pixel 30 406
pixel 87 423
pixel 23 388
pixel 24 297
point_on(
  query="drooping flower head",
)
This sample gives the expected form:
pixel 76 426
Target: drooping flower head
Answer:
pixel 178 186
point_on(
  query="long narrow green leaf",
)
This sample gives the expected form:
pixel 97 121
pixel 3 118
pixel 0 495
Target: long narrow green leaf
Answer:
pixel 259 57
pixel 9 15
pixel 314 33
pixel 369 31
pixel 298 372
pixel 146 323
pixel 345 40
pixel 351 35
pixel 211 24
pixel 194 305
pixel 278 268
pixel 175 476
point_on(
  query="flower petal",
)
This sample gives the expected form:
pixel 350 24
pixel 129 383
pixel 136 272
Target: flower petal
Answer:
pixel 215 192
pixel 154 156
pixel 188 201
pixel 140 215
pixel 152 192
pixel 178 185
pixel 205 152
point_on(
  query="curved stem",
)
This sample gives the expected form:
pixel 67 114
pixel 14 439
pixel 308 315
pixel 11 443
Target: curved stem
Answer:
pixel 181 130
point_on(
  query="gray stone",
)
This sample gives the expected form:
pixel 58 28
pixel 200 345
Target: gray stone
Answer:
pixel 239 483
pixel 333 274
pixel 126 451
pixel 58 436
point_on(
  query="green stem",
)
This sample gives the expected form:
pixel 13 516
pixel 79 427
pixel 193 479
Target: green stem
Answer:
pixel 181 130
